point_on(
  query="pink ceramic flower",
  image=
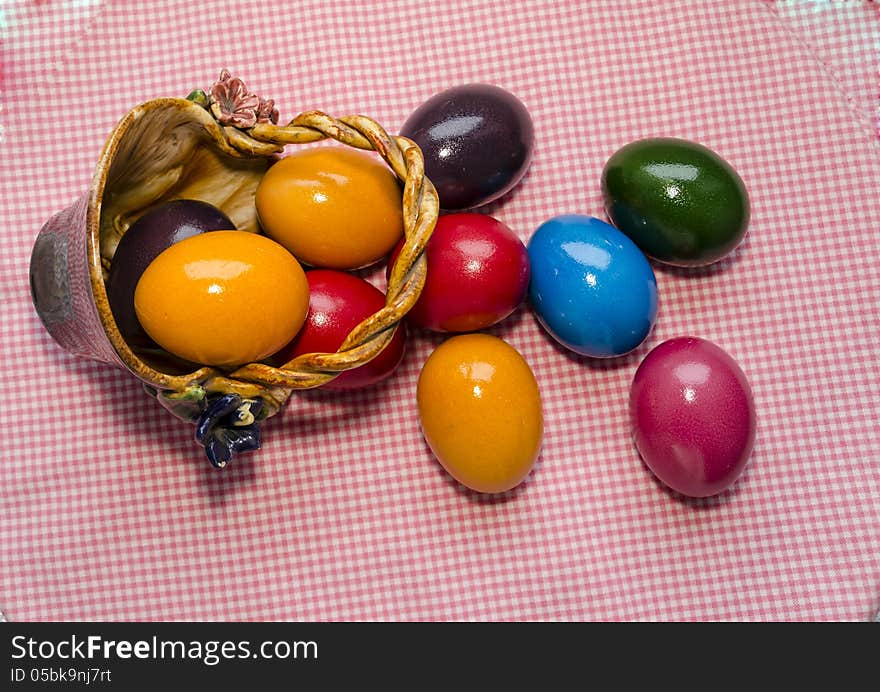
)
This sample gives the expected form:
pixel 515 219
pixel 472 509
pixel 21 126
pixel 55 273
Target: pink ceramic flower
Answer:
pixel 266 111
pixel 232 103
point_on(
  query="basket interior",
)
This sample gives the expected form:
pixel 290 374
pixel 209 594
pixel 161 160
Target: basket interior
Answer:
pixel 170 150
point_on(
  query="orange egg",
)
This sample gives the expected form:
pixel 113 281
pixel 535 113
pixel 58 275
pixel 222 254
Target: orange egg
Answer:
pixel 223 298
pixel 480 412
pixel 332 207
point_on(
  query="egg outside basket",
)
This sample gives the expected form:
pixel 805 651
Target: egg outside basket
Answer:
pixel 214 147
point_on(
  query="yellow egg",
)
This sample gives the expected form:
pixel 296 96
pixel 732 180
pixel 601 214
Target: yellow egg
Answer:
pixel 480 412
pixel 223 298
pixel 332 207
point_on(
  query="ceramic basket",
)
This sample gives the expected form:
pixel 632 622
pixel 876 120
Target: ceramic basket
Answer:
pixel 214 146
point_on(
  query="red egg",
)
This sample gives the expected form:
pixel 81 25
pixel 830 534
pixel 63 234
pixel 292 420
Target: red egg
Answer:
pixel 338 302
pixel 478 274
pixel 693 416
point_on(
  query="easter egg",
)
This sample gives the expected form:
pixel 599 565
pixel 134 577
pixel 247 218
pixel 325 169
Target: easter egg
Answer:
pixel 480 412
pixel 693 416
pixel 224 298
pixel 478 274
pixel 338 302
pixel 679 201
pixel 332 207
pixel 477 140
pixel 158 228
pixel 592 289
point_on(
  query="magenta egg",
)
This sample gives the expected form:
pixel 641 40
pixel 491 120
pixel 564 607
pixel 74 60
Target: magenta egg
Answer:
pixel 693 416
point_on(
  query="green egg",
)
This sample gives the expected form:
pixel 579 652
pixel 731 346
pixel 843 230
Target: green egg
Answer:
pixel 679 201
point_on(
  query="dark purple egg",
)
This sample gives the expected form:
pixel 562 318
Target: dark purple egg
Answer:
pixel 159 228
pixel 477 140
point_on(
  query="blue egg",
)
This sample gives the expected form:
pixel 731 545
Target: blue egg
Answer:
pixel 591 287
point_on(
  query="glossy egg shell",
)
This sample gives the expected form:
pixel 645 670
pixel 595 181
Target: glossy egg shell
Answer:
pixel 224 298
pixel 679 201
pixel 338 302
pixel 478 274
pixel 693 416
pixel 158 228
pixel 477 140
pixel 333 207
pixel 480 412
pixel 592 289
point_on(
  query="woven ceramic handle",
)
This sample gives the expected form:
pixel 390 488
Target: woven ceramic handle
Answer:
pixel 407 277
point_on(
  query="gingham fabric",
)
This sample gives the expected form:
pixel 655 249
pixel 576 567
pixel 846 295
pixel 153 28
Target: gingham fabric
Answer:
pixel 109 510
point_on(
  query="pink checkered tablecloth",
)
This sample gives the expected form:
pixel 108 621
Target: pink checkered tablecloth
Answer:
pixel 108 509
